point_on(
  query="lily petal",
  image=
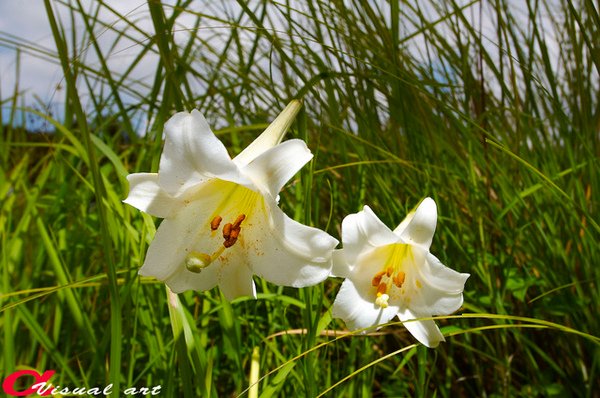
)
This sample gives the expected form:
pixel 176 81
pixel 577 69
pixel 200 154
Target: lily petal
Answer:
pixel 340 267
pixel 357 312
pixel 363 231
pixel 425 331
pixel 146 195
pixel 183 280
pixel 288 253
pixel 271 136
pixel 236 279
pixel 166 253
pixel 441 288
pixel 441 277
pixel 419 231
pixel 275 166
pixel 192 154
pixel 232 275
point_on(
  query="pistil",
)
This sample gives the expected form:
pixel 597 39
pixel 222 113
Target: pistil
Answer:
pixel 195 261
pixel 382 300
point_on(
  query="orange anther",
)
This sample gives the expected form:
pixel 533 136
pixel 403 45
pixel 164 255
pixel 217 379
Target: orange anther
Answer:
pixel 214 224
pixel 238 220
pixel 227 231
pixel 235 232
pixel 229 242
pixel 399 278
pixel 382 288
pixel 389 271
pixel 377 278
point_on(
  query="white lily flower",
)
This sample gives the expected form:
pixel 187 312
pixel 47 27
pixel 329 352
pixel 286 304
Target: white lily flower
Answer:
pixel 391 273
pixel 221 220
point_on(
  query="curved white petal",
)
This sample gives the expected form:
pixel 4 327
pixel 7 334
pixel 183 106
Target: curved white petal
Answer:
pixel 271 136
pixel 438 276
pixel 340 267
pixel 167 251
pixel 236 280
pixel 286 252
pixel 183 280
pixel 425 331
pixel 439 290
pixel 358 312
pixel 230 272
pixel 363 231
pixel 146 195
pixel 275 166
pixel 192 154
pixel 402 226
pixel 419 231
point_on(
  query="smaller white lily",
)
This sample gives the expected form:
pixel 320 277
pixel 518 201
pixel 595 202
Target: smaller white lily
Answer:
pixel 221 220
pixel 391 273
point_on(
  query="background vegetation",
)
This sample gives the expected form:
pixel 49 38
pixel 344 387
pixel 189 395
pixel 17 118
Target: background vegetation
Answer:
pixel 490 107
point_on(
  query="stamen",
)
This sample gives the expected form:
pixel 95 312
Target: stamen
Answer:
pixel 238 220
pixel 227 231
pixel 232 231
pixel 382 288
pixel 377 278
pixel 389 271
pixel 214 224
pixel 233 236
pixel 195 261
pixel 229 242
pixel 399 278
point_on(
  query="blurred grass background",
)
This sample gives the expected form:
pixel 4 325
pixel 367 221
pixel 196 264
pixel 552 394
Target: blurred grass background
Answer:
pixel 466 102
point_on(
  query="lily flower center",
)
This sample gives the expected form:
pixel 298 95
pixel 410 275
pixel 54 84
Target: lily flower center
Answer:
pixel 236 206
pixel 388 282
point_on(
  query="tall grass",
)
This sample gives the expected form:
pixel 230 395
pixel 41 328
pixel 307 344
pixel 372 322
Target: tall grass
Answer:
pixel 468 102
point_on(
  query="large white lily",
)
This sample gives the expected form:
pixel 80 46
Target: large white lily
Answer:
pixel 221 220
pixel 391 273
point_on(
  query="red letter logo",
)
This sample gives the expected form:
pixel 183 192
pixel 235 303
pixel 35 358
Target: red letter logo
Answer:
pixel 9 383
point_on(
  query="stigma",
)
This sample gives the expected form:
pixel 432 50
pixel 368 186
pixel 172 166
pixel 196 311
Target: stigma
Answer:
pixel 195 261
pixel 382 300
